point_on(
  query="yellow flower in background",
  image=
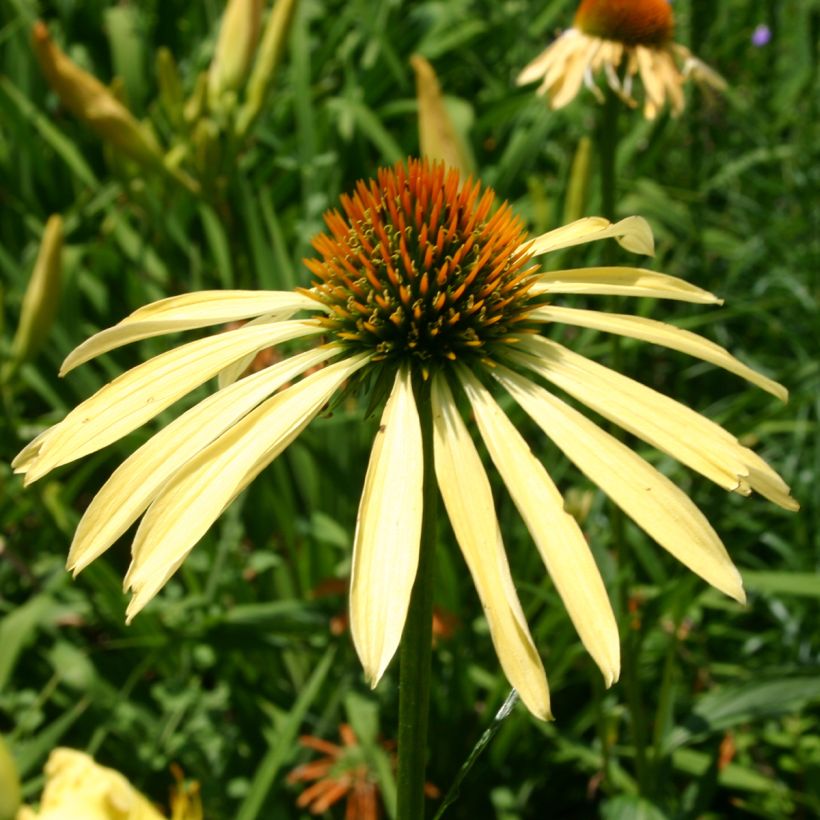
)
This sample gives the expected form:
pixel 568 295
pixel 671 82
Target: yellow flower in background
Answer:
pixel 78 788
pixel 421 282
pixel 624 39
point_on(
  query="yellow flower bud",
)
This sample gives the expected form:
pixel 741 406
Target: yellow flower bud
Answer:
pixel 90 101
pixel 42 295
pixel 9 784
pixel 438 136
pixel 576 200
pixel 238 36
pixel 267 61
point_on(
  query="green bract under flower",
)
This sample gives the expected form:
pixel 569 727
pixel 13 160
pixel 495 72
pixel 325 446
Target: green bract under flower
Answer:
pixel 421 269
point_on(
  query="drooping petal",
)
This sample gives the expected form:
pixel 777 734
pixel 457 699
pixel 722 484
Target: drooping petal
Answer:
pixel 469 503
pixel 556 533
pixel 663 422
pixel 137 481
pixel 632 233
pixel 388 532
pixel 652 501
pixel 187 312
pixel 617 281
pixel 660 333
pixel 198 493
pixel 141 393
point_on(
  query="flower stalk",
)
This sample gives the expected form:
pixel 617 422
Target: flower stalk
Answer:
pixel 417 640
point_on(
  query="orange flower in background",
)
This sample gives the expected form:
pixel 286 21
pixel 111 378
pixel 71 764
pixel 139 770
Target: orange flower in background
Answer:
pixel 344 772
pixel 624 39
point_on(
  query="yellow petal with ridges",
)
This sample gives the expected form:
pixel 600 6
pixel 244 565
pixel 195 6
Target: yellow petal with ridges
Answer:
pixel 660 333
pixel 138 480
pixel 141 393
pixel 632 233
pixel 619 281
pixel 650 499
pixel 198 493
pixel 188 312
pixel 388 532
pixel 469 502
pixel 663 422
pixel 557 535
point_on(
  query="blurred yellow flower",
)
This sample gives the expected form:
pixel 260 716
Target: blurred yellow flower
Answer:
pixel 623 39
pixel 422 284
pixel 78 788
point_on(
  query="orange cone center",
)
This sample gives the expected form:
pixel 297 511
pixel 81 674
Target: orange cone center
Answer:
pixel 632 22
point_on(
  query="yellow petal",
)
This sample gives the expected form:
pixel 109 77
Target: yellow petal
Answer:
pixel 622 282
pixel 556 533
pixel 137 481
pixel 388 532
pixel 659 333
pixel 652 501
pixel 198 493
pixel 663 422
pixel 186 312
pixel 632 233
pixel 140 394
pixel 469 503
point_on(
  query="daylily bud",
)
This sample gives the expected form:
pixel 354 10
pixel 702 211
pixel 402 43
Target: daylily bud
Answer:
pixel 437 134
pixel 238 36
pixel 9 784
pixel 170 85
pixel 89 100
pixel 267 61
pixel 576 201
pixel 42 295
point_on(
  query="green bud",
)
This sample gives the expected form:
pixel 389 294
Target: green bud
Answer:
pixel 42 296
pixel 267 61
pixel 9 784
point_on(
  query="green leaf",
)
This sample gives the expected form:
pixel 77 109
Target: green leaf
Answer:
pixel 282 742
pixel 729 706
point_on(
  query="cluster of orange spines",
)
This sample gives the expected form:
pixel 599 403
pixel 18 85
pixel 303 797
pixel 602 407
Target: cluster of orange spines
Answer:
pixel 631 22
pixel 420 265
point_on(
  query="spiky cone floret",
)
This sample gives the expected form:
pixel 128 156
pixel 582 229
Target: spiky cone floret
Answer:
pixel 623 40
pixel 419 277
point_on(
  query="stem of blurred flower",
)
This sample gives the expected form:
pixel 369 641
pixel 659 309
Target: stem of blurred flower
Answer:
pixel 417 641
pixel 607 151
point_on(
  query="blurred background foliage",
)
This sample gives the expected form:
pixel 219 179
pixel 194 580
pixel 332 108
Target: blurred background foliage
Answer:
pixel 246 649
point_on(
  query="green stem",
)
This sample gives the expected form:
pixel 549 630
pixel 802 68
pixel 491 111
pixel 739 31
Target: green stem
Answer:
pixel 417 643
pixel 607 151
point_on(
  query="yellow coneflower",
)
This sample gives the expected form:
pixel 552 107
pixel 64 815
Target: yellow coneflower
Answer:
pixel 420 280
pixel 623 39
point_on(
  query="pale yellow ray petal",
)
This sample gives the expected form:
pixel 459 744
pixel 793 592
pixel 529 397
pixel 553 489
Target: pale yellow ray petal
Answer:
pixel 200 490
pixel 28 455
pixel 663 422
pixel 618 281
pixel 388 532
pixel 538 67
pixel 632 233
pixel 137 481
pixel 667 424
pixel 652 501
pixel 557 535
pixel 187 312
pixel 234 370
pixel 659 333
pixel 141 393
pixel 569 82
pixel 469 502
